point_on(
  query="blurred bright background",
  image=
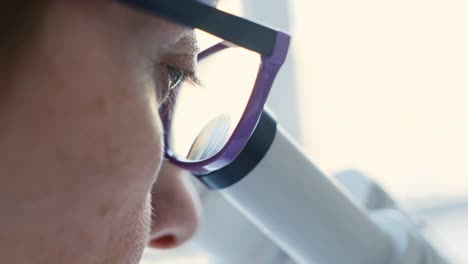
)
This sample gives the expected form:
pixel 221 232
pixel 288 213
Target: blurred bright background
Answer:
pixel 380 87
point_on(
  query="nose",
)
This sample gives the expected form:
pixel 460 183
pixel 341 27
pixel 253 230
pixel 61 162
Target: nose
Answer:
pixel 176 211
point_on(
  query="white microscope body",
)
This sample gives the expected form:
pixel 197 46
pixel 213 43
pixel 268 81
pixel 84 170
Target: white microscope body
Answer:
pixel 317 219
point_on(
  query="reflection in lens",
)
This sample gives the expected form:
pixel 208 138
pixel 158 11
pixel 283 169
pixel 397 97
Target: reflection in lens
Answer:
pixel 211 139
pixel 227 78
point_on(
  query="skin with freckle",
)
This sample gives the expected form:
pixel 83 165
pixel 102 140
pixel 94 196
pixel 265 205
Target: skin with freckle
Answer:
pixel 81 138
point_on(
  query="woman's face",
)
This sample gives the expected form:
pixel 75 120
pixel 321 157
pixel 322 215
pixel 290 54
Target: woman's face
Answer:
pixel 81 139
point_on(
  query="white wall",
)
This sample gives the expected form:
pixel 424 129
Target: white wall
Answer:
pixel 380 86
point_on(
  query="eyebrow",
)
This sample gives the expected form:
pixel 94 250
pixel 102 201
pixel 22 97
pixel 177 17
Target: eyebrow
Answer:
pixel 187 43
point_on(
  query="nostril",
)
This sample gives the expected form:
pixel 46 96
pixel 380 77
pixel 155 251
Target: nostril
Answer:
pixel 163 242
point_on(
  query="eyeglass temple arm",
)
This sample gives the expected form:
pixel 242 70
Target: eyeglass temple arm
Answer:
pixel 195 14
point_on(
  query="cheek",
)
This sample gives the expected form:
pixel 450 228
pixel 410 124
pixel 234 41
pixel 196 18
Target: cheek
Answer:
pixel 92 142
pixel 129 241
pixel 113 133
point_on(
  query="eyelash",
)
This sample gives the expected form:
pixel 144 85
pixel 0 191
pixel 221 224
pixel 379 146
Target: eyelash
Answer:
pixel 177 77
pixel 180 76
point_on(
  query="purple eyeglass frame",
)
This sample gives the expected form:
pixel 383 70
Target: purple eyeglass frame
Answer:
pixel 272 45
pixel 266 75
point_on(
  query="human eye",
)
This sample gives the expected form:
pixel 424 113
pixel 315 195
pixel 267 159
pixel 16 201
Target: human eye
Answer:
pixel 176 76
